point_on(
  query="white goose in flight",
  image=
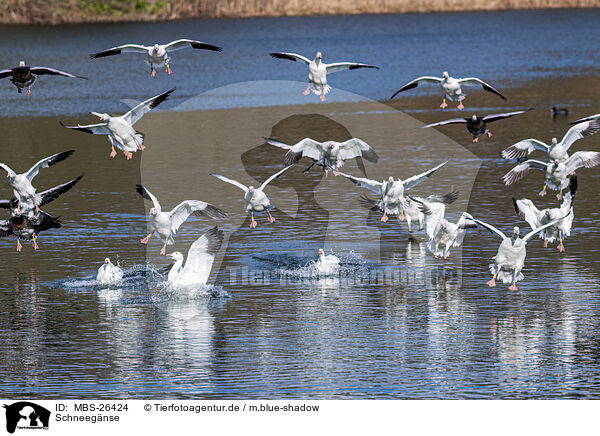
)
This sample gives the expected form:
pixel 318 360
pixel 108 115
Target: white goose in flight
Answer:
pixel 556 150
pixel 166 224
pixel 318 70
pixel 536 218
pixel 255 200
pixel 391 191
pixel 120 130
pixel 21 183
pixel 510 258
pixel 326 154
pixel 157 54
pixel 200 259
pixel 451 87
pixel 557 172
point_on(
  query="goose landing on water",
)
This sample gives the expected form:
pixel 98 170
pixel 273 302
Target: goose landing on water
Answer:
pixel 200 259
pixel 109 273
pixel 327 264
pixel 318 70
pixel 451 87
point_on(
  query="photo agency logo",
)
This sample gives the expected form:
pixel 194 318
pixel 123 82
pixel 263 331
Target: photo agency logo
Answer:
pixel 25 415
pixel 347 192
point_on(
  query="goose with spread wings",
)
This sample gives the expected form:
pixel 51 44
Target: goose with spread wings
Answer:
pixel 328 154
pixel 477 126
pixel 21 184
pixel 510 258
pixel 391 192
pixel 120 129
pixel 451 87
pixel 557 172
pixel 27 226
pixel 441 232
pixel 255 200
pixel 556 150
pixel 157 54
pixel 536 218
pixel 166 224
pixel 318 70
pixel 24 77
pixel 199 262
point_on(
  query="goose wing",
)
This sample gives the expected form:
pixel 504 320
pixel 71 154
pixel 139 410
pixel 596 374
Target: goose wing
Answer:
pixel 495 117
pixel 52 72
pixel 581 120
pixel 6 168
pixel 126 48
pixel 434 214
pixel 5 228
pixel 144 192
pixel 341 66
pixel 451 121
pixel 522 169
pixel 415 83
pixel 545 226
pixel 363 182
pixel 134 115
pixel 183 210
pixel 233 182
pixel 484 85
pixel 356 148
pixel 290 57
pixel 274 176
pixel 579 131
pixel 487 226
pixel 5 73
pixel 185 43
pixel 448 198
pixel 415 180
pixel 305 148
pixel 524 148
pixel 47 162
pixel 92 129
pixel 587 159
pixel 201 256
pixel 53 193
pixel 527 210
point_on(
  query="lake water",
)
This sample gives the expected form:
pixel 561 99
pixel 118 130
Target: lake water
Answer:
pixel 396 323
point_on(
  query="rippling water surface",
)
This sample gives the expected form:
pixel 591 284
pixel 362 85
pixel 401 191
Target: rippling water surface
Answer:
pixel 396 323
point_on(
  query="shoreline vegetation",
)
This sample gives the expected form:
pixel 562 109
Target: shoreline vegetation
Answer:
pixel 90 11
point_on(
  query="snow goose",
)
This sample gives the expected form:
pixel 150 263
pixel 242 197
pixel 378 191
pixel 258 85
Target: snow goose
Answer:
pixel 477 126
pixel 391 191
pixel 451 87
pixel 327 264
pixel 109 273
pixel 27 227
pixel 23 76
pixel 441 232
pixel 556 150
pixel 325 154
pixel 166 224
pixel 158 54
pixel 120 129
pixel 200 259
pixel 536 218
pixel 557 172
pixel 255 200
pixel 21 183
pixel 511 254
pixel 44 197
pixel 318 70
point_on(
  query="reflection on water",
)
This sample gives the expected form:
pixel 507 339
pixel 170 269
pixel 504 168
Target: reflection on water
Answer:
pixel 394 323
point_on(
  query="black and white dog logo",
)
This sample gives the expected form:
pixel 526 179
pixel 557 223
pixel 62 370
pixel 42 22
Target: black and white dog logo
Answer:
pixel 26 415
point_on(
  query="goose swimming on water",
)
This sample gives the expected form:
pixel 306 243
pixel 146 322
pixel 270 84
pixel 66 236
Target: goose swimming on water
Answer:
pixel 109 273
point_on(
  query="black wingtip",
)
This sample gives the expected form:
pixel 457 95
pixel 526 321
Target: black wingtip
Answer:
pixel 514 200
